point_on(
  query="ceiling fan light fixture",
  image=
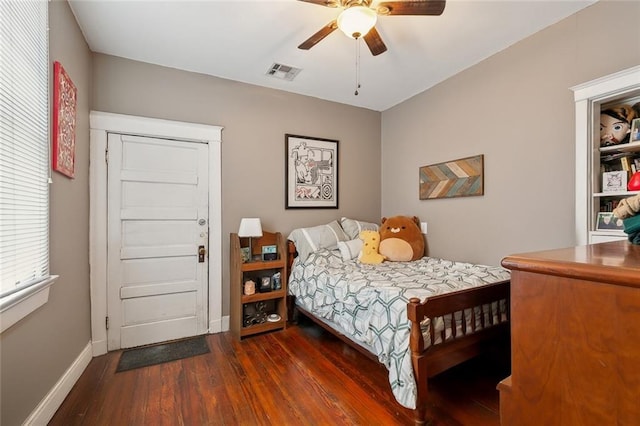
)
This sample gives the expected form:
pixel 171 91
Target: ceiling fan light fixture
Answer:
pixel 356 21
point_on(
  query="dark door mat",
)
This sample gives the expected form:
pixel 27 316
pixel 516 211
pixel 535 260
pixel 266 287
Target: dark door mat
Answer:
pixel 158 354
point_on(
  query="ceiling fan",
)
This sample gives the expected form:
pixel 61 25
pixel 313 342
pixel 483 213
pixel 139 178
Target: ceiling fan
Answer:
pixel 358 19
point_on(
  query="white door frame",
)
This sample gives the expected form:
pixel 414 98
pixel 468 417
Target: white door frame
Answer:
pixel 102 123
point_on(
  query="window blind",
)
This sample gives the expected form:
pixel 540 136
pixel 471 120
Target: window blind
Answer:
pixel 24 144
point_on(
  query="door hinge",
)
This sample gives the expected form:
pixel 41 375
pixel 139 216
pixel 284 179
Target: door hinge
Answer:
pixel 106 155
pixel 106 322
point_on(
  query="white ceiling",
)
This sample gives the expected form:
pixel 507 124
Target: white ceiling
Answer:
pixel 240 40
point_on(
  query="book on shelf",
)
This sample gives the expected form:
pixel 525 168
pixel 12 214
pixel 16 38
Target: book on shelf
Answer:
pixel 611 157
pixel 609 205
pixel 621 161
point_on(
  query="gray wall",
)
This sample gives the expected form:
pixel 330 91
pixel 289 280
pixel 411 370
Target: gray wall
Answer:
pixel 516 108
pixel 38 350
pixel 255 121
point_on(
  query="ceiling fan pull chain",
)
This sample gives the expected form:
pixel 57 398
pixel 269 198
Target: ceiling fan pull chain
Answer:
pixel 357 66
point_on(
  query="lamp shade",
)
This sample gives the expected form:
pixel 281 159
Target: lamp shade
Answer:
pixel 356 21
pixel 250 227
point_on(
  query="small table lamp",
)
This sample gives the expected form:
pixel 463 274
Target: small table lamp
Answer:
pixel 250 227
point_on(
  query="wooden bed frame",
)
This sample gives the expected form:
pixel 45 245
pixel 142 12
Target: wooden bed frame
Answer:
pixel 427 362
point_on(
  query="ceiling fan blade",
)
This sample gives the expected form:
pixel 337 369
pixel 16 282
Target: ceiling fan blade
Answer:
pixel 317 37
pixel 327 3
pixel 425 7
pixel 375 43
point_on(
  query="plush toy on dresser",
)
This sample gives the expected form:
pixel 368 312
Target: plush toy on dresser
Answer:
pixel 401 239
pixel 629 211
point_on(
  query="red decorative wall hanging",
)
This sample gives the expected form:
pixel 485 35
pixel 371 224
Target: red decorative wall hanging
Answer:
pixel 64 121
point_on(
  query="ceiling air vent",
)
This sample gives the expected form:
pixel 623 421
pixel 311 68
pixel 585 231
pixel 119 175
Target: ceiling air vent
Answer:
pixel 283 72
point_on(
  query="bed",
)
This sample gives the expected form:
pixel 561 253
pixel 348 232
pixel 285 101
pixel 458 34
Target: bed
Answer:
pixel 416 318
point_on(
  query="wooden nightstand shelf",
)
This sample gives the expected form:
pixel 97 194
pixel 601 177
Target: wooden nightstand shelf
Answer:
pixel 249 313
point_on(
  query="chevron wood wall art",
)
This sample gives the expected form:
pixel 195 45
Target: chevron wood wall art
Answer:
pixel 458 178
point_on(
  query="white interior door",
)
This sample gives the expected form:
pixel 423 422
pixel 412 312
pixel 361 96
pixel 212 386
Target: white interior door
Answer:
pixel 157 227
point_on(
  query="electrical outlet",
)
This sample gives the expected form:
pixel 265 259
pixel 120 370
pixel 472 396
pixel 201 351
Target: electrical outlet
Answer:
pixel 423 227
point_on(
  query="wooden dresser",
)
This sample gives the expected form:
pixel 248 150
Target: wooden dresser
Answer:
pixel 575 337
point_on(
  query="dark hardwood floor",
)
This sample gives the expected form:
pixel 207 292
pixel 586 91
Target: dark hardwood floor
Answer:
pixel 299 376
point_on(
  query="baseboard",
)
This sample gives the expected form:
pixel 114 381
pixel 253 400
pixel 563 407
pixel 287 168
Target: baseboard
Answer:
pixel 219 325
pixel 225 323
pixel 99 347
pixel 52 401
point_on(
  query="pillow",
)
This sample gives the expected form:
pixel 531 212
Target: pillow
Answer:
pixel 309 240
pixel 353 227
pixel 350 249
pixel 370 244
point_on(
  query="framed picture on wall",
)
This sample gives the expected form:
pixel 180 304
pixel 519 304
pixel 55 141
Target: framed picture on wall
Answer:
pixel 65 98
pixel 311 172
pixel 456 178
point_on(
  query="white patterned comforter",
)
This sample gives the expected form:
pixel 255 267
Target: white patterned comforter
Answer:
pixel 369 302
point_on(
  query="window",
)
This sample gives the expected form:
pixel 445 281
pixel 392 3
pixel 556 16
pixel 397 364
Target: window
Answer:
pixel 24 157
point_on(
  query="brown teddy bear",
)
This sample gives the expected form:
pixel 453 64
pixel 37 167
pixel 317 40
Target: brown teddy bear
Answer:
pixel 401 239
